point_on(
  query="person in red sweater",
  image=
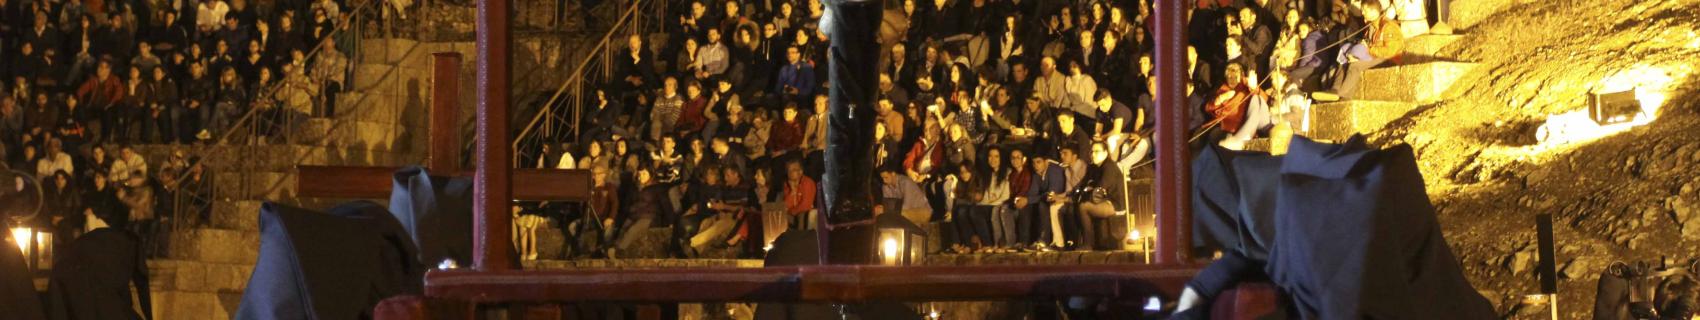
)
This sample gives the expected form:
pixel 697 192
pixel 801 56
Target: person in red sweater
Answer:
pixel 799 196
pixel 787 133
pixel 101 93
pixel 1384 40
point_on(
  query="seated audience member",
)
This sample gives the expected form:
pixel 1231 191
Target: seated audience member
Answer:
pixel 1102 195
pixel 799 197
pixel 696 199
pixel 1384 40
pixel 726 227
pixel 1240 108
pixel 912 202
pixel 961 229
pixel 651 204
pixel 991 208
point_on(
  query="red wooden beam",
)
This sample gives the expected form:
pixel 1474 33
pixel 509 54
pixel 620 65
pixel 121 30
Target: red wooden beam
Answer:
pixel 445 113
pixel 810 284
pixel 492 187
pixel 1174 181
pixel 357 182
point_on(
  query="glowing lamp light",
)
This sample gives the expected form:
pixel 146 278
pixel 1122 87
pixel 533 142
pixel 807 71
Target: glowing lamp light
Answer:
pixel 1617 103
pixel 21 236
pixel 891 244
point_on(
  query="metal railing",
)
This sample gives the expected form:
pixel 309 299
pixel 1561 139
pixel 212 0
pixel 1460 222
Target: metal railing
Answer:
pixel 557 117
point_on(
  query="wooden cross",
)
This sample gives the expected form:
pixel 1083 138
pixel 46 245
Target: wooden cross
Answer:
pixel 365 182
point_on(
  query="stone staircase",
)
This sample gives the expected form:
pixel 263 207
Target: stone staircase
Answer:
pixel 1419 77
pixel 382 120
pixel 207 267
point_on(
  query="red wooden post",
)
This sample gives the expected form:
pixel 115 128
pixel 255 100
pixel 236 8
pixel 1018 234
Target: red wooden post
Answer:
pixel 492 188
pixel 1174 205
pixel 444 155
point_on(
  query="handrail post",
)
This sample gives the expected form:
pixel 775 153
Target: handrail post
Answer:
pixel 492 184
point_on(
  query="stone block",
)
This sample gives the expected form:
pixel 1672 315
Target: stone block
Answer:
pixel 386 50
pixel 236 215
pixel 1339 120
pixel 215 245
pixel 255 184
pixel 1430 44
pixel 1421 82
pixel 188 305
pixel 357 135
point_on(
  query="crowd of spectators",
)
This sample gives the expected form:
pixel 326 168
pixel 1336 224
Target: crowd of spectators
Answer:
pixel 88 80
pixel 1013 125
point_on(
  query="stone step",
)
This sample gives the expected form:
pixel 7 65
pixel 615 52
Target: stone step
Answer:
pixel 255 185
pixel 198 276
pixel 236 215
pixel 386 50
pixel 278 157
pixel 357 135
pixel 1339 120
pixel 226 246
pixel 1469 13
pixel 375 76
pixel 1421 82
pixel 173 304
pixel 382 106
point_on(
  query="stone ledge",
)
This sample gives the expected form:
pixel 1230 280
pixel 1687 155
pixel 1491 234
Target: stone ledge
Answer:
pixel 197 276
pixel 215 246
pixel 1339 120
pixel 1420 82
pixel 169 304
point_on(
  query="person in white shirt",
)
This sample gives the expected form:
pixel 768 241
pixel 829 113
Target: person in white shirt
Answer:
pixel 129 163
pixel 209 15
pixel 54 160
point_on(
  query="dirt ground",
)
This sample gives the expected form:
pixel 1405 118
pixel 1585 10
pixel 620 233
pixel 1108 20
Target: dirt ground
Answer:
pixel 1629 196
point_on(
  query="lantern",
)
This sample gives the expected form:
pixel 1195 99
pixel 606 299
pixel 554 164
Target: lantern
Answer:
pixel 35 246
pixel 899 242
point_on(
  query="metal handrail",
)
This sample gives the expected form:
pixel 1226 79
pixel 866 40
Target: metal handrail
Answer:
pixel 196 202
pixel 578 75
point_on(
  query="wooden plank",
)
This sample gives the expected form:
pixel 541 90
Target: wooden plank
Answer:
pixel 423 308
pixel 811 284
pixel 355 182
pixel 445 113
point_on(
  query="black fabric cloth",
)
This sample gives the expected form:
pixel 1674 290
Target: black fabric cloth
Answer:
pixel 1353 233
pixel 18 299
pixel 92 280
pixel 437 213
pixel 333 265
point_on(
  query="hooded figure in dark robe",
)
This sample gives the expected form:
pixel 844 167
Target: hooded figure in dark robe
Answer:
pixel 333 265
pixel 1344 231
pixel 92 279
pixel 436 211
